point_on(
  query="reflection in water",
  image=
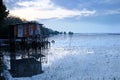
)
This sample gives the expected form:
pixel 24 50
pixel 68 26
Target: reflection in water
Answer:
pixel 70 40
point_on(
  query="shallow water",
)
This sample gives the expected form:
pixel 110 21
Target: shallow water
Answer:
pixel 81 57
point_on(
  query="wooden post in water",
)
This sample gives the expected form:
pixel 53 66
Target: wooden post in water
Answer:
pixel 12 48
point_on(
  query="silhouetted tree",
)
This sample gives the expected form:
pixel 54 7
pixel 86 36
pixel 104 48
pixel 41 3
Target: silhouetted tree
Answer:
pixel 48 32
pixel 14 20
pixel 64 33
pixel 70 33
pixel 11 20
pixel 3 14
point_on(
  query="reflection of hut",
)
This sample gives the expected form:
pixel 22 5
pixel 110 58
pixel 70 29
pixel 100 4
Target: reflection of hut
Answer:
pixel 24 38
pixel 26 67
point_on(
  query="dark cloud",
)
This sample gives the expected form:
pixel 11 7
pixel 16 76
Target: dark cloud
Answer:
pixel 102 19
pixel 89 4
pixel 13 3
pixel 99 5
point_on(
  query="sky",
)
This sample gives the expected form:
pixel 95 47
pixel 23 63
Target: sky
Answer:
pixel 79 16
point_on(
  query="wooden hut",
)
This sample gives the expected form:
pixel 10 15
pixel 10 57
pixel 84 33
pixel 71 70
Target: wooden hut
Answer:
pixel 25 37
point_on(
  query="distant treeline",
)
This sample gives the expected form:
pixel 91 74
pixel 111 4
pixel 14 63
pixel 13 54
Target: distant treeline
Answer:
pixel 11 20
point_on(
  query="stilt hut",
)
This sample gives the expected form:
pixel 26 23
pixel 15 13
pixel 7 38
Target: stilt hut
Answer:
pixel 26 42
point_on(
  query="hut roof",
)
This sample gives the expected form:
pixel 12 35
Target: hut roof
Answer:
pixel 27 23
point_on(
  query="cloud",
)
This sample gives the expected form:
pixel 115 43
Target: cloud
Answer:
pixel 115 11
pixel 108 12
pixel 7 1
pixel 45 9
pixel 107 2
pixel 104 1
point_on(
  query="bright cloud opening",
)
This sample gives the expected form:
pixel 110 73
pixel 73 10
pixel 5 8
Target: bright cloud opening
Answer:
pixel 45 9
